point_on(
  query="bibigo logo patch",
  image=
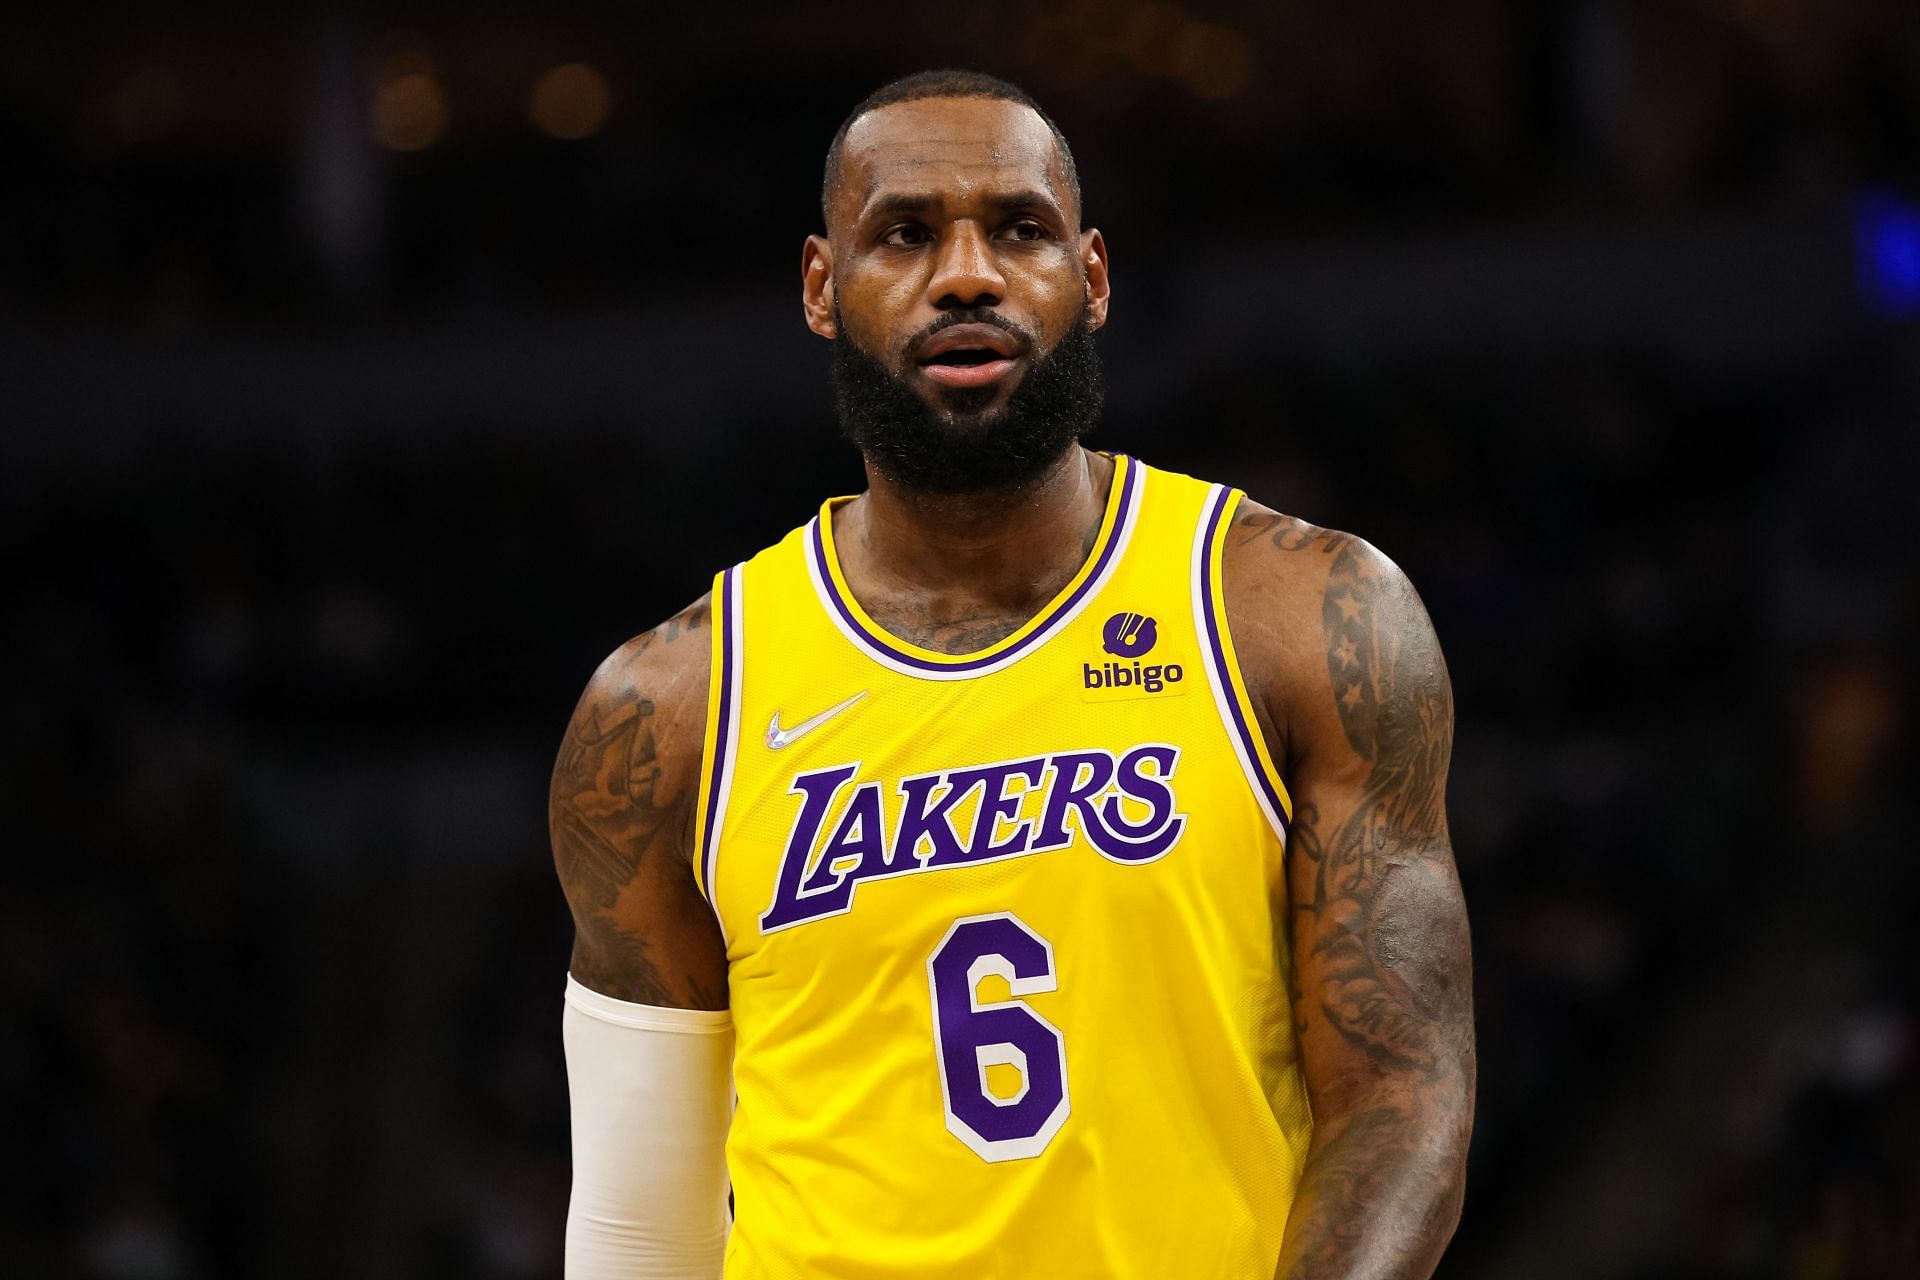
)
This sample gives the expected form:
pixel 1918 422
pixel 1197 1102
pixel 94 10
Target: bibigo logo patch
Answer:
pixel 1128 638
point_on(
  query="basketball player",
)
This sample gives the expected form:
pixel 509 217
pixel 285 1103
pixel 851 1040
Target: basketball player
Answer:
pixel 1047 851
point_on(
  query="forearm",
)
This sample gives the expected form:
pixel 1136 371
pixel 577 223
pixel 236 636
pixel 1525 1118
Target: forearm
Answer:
pixel 1381 1191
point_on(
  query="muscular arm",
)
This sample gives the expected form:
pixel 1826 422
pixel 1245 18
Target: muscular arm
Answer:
pixel 620 814
pixel 647 1056
pixel 1349 678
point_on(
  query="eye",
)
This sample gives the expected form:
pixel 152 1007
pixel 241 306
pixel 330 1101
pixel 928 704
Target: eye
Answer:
pixel 905 235
pixel 1026 229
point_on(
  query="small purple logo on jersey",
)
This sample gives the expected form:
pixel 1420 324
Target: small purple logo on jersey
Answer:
pixel 1128 635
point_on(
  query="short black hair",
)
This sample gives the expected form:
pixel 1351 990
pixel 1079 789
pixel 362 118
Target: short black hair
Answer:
pixel 945 83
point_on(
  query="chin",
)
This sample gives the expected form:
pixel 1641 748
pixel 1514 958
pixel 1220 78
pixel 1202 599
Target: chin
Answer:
pixel 971 407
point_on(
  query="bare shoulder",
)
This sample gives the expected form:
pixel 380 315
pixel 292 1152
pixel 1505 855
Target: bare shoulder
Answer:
pixel 620 814
pixel 1281 560
pixel 658 678
pixel 1327 627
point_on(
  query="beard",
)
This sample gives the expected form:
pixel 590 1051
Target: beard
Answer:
pixel 957 445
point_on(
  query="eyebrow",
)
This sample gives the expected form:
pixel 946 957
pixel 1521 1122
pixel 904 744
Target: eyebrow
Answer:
pixel 1000 202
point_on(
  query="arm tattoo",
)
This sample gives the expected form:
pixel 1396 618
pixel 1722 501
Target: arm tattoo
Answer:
pixel 614 813
pixel 1286 533
pixel 1382 928
pixel 1386 992
pixel 607 811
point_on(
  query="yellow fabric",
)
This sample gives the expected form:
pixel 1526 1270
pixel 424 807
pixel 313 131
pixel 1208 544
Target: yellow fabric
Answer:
pixel 1140 942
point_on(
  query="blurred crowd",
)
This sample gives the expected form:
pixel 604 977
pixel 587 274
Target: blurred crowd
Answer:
pixel 280 946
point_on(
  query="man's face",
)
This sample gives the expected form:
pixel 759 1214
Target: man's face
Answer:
pixel 954 262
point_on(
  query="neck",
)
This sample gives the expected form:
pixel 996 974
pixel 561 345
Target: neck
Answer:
pixel 954 555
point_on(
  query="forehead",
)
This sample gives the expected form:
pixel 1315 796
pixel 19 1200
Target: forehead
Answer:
pixel 954 148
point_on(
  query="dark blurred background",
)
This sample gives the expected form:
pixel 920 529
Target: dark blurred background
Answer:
pixel 367 373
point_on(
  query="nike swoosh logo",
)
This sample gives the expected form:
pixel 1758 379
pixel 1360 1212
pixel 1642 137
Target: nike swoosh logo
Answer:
pixel 778 737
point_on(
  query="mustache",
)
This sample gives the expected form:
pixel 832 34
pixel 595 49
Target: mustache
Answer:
pixel 973 315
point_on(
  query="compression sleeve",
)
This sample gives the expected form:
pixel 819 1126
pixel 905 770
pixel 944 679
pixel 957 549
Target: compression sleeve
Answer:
pixel 651 1094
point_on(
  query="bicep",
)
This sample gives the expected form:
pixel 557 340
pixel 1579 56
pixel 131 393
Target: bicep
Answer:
pixel 620 816
pixel 1382 965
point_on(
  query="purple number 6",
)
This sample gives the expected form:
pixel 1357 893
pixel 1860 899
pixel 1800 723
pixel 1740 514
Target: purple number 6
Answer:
pixel 969 1037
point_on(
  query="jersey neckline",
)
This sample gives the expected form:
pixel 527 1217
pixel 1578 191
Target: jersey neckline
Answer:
pixel 823 567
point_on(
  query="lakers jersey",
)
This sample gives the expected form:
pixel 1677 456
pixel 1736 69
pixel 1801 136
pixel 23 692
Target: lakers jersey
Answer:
pixel 1009 989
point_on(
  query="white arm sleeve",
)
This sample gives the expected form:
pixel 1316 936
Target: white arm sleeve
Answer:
pixel 651 1094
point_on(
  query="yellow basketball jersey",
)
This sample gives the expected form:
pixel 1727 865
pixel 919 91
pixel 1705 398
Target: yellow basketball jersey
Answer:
pixel 1009 990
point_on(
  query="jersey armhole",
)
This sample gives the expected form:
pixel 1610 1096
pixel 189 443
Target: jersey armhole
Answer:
pixel 722 737
pixel 1223 664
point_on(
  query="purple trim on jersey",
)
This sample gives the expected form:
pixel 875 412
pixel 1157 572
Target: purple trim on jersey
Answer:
pixel 722 738
pixel 1210 620
pixel 818 548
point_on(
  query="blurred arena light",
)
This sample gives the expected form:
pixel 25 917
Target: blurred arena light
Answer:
pixel 1216 62
pixel 1887 240
pixel 570 102
pixel 410 110
pixel 1157 35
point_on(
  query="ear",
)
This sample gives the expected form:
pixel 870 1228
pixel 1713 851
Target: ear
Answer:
pixel 1093 258
pixel 816 286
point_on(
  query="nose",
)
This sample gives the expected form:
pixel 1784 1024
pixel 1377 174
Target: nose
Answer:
pixel 965 273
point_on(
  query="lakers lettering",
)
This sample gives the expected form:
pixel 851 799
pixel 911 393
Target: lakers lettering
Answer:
pixel 847 830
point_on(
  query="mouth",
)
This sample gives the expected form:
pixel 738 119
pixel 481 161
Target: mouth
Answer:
pixel 969 355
